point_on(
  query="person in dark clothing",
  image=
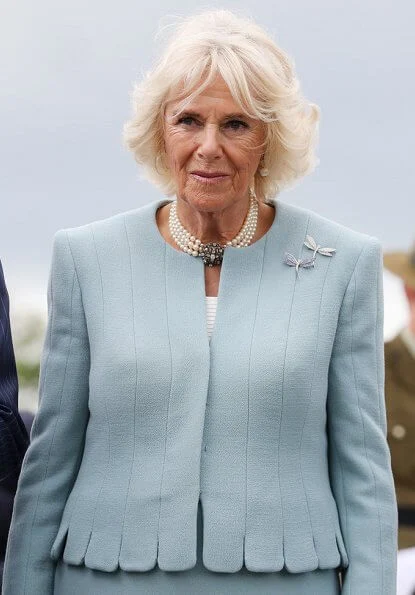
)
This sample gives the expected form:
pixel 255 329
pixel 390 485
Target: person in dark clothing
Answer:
pixel 14 432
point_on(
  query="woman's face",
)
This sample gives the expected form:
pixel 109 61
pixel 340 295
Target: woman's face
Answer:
pixel 213 150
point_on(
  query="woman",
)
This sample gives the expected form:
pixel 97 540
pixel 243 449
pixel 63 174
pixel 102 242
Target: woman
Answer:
pixel 160 462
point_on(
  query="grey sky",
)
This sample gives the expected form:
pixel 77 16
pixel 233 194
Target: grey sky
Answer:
pixel 66 71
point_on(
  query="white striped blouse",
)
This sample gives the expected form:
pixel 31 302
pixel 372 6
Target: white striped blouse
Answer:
pixel 211 302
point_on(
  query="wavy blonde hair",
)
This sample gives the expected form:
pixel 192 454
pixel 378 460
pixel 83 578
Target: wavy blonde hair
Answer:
pixel 261 79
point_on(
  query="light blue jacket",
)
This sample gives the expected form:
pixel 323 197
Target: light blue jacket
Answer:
pixel 277 425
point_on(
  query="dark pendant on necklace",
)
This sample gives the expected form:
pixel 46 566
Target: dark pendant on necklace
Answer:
pixel 211 253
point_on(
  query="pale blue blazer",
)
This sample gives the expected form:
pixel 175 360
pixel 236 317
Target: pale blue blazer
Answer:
pixel 278 425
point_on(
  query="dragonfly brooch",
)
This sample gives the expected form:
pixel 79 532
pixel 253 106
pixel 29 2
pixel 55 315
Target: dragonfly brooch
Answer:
pixel 305 263
pixel 311 244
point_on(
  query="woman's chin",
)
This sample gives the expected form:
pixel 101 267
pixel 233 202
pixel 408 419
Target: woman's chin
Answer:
pixel 202 192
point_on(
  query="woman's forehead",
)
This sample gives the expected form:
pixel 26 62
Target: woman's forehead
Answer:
pixel 215 97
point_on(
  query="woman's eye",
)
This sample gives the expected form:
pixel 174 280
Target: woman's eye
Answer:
pixel 187 120
pixel 236 124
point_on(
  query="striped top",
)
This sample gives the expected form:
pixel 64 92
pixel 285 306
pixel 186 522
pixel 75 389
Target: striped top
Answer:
pixel 211 303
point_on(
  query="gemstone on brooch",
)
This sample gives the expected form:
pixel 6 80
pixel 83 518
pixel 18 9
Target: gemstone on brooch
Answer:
pixel 211 253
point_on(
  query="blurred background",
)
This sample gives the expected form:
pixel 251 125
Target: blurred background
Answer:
pixel 66 73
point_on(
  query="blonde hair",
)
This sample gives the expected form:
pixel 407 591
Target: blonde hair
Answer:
pixel 261 79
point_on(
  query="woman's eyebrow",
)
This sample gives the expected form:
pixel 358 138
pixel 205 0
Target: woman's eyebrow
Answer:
pixel 232 116
pixel 236 116
pixel 188 113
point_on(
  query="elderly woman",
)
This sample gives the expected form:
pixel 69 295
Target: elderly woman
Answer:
pixel 211 402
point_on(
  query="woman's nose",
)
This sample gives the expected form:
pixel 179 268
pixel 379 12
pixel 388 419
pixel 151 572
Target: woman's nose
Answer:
pixel 209 145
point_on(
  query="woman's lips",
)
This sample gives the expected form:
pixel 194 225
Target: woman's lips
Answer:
pixel 209 178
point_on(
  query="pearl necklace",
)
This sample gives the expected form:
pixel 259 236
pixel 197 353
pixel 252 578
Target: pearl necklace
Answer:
pixel 212 252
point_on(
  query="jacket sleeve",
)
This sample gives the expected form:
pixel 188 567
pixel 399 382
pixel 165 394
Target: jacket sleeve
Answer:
pixel 360 466
pixel 14 438
pixel 52 460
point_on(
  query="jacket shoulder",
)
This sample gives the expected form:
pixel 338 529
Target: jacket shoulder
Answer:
pixel 84 244
pixel 319 222
pixel 108 227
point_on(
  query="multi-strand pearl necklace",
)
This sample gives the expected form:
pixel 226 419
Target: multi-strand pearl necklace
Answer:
pixel 212 252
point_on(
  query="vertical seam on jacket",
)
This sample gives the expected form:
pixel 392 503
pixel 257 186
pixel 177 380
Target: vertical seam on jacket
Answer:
pixel 105 400
pixel 169 397
pixel 73 508
pixel 282 403
pixel 336 452
pixel 249 377
pixel 333 440
pixel 135 388
pixel 76 274
pixel 54 430
pixel 362 421
pixel 306 413
pixel 309 400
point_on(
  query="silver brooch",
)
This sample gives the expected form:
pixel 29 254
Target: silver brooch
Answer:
pixel 312 245
pixel 305 263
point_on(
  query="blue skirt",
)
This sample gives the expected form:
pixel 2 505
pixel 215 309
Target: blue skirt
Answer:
pixel 80 580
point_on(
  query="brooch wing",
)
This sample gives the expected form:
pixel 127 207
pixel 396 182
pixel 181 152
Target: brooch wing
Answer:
pixel 307 262
pixel 292 261
pixel 326 251
pixel 311 244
